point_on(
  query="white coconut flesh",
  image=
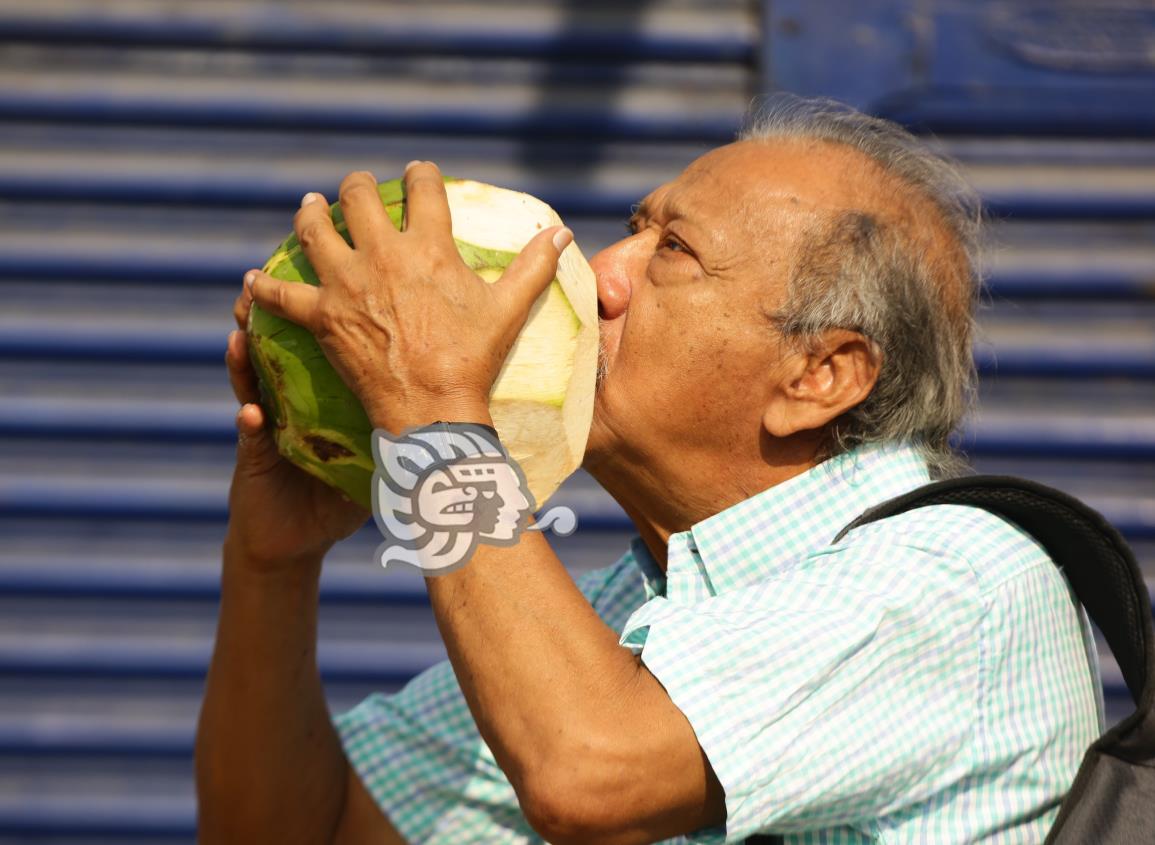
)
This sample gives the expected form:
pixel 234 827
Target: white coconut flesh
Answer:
pixel 542 401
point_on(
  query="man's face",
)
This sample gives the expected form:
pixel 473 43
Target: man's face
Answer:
pixel 689 356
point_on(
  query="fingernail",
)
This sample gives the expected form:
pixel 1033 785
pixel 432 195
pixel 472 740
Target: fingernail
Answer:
pixel 562 238
pixel 309 198
pixel 411 165
pixel 250 277
pixel 232 337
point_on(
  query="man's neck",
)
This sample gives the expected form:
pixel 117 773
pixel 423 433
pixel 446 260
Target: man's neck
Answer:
pixel 661 504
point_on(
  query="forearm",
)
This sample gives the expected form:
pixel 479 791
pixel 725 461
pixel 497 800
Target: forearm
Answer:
pixel 543 675
pixel 269 764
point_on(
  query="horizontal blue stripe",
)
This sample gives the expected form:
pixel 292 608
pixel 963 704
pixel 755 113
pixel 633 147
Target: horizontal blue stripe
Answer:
pixel 80 341
pixel 212 189
pixel 30 580
pixel 77 581
pixel 285 31
pixel 1062 204
pixel 1074 281
pixel 129 823
pixel 214 422
pixel 394 665
pixel 1112 110
pixel 20 498
pixel 285 194
pixel 546 120
pixel 125 500
pixel 1062 360
pixel 61 740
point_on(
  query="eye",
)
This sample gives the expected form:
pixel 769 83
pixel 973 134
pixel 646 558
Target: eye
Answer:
pixel 671 243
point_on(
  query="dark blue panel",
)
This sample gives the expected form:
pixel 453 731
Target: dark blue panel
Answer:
pixel 1034 66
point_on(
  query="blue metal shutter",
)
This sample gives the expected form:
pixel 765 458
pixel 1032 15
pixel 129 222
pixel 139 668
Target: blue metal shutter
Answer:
pixel 152 151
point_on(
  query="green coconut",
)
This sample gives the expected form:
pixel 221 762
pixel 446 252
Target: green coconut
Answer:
pixel 542 401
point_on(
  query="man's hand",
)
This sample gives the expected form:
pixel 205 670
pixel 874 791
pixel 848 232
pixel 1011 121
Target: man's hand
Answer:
pixel 415 333
pixel 278 514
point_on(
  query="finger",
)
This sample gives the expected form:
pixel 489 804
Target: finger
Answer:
pixel 241 307
pixel 241 376
pixel 322 245
pixel 528 275
pixel 256 449
pixel 365 216
pixel 426 204
pixel 250 419
pixel 293 301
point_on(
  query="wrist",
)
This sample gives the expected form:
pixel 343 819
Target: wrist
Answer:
pixel 415 414
pixel 300 568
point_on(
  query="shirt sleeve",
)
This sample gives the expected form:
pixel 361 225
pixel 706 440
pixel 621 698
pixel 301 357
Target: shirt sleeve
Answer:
pixel 819 704
pixel 419 754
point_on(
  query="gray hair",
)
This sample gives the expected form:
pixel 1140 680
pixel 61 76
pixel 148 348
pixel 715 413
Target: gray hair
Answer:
pixel 882 277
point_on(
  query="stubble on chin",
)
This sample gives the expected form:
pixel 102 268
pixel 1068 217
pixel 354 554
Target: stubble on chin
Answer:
pixel 603 359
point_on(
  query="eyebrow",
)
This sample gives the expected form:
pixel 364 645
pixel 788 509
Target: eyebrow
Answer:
pixel 637 211
pixel 643 210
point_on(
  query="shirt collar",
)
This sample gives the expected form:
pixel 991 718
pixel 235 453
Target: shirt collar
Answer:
pixel 761 535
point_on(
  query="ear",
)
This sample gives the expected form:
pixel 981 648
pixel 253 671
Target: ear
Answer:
pixel 817 387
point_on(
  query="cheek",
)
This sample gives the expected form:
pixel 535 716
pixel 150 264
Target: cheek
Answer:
pixel 682 347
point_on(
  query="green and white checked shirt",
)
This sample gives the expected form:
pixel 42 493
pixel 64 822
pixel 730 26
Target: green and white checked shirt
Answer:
pixel 929 679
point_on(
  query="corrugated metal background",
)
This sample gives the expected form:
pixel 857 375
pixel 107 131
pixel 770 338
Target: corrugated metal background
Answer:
pixel 152 150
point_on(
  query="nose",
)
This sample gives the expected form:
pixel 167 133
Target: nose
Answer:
pixel 613 266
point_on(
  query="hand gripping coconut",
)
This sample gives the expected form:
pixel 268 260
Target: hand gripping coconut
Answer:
pixel 542 401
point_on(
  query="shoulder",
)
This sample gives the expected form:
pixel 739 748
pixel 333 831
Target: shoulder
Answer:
pixel 964 541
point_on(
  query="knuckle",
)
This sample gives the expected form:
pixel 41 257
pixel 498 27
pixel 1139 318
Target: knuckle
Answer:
pixel 281 296
pixel 425 182
pixel 354 189
pixel 310 233
pixel 326 320
pixel 436 263
pixel 380 265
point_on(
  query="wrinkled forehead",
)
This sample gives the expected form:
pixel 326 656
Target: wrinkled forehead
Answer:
pixel 785 187
pixel 752 184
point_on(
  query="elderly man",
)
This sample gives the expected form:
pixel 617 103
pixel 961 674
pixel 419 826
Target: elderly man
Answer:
pixel 785 343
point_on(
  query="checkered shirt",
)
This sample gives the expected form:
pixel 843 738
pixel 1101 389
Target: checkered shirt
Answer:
pixel 928 679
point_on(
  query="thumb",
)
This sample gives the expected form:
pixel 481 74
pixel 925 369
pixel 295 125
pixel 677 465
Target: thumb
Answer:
pixel 256 450
pixel 535 267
